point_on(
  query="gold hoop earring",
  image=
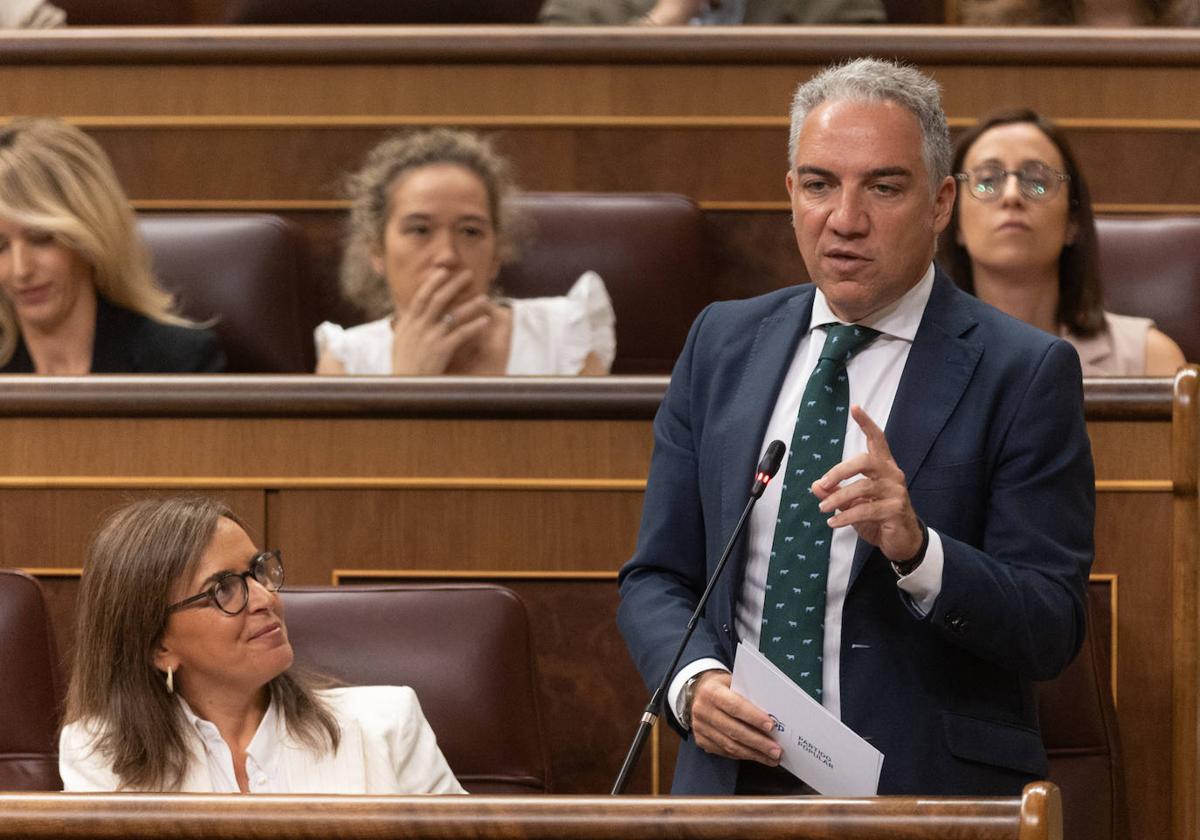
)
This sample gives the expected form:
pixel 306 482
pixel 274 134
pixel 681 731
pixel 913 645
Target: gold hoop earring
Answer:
pixel 170 679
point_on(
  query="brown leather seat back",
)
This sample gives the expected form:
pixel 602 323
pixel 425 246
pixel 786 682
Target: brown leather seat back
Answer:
pixel 915 11
pixel 30 689
pixel 127 12
pixel 1079 728
pixel 465 650
pixel 246 270
pixel 1151 267
pixel 383 11
pixel 648 247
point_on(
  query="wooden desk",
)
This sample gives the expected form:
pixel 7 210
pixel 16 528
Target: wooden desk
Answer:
pixel 1036 815
pixel 368 479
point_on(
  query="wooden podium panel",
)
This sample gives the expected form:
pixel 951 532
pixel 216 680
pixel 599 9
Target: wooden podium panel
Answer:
pixel 537 484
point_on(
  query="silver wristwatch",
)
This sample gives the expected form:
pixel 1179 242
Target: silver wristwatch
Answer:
pixel 688 695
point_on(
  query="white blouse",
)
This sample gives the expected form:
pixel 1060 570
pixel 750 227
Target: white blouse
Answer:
pixel 387 747
pixel 551 336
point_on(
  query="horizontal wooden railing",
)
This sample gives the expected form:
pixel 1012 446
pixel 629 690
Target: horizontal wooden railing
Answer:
pixel 1036 815
pixel 600 45
pixel 596 398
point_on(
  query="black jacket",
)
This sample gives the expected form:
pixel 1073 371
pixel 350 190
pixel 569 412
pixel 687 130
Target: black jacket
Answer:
pixel 127 342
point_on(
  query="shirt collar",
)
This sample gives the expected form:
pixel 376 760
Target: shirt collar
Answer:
pixel 898 319
pixel 264 748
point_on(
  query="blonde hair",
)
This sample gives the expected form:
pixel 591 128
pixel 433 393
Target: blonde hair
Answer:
pixel 370 193
pixel 115 690
pixel 55 178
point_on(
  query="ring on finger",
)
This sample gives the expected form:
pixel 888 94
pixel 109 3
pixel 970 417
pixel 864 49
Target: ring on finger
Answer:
pixel 448 320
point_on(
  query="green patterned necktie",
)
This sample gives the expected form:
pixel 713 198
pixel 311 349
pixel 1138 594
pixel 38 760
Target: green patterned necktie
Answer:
pixel 793 624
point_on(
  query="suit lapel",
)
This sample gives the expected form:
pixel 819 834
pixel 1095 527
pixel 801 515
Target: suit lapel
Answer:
pixel 939 367
pixel 753 402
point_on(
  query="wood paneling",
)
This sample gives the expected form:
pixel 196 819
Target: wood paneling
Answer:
pixel 111 449
pixel 1126 450
pixel 732 165
pixel 1185 613
pixel 1139 525
pixel 346 474
pixel 456 529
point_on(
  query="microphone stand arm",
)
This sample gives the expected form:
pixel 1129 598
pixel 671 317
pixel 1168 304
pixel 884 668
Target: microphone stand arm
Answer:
pixel 654 708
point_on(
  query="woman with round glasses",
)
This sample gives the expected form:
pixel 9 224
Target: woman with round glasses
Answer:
pixel 1023 238
pixel 182 679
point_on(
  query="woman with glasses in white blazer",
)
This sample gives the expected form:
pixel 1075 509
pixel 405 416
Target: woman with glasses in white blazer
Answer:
pixel 182 677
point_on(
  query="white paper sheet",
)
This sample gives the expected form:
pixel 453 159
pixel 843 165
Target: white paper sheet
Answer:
pixel 817 747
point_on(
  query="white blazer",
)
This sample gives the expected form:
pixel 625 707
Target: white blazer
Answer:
pixel 387 747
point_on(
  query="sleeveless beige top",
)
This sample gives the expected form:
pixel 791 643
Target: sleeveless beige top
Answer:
pixel 1120 350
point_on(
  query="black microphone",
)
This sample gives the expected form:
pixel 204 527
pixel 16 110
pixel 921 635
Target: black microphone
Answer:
pixel 767 467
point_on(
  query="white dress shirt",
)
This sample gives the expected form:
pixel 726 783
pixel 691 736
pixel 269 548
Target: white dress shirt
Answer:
pixel 874 374
pixel 387 747
pixel 263 768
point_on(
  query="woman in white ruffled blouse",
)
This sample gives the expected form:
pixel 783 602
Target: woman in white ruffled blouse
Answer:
pixel 429 227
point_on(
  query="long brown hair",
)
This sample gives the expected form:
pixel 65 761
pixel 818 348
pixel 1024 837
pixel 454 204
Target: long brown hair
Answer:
pixel 115 690
pixel 1080 298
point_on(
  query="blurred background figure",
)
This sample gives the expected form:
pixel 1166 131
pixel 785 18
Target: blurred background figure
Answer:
pixel 30 14
pixel 77 294
pixel 1023 238
pixel 182 675
pixel 677 12
pixel 380 11
pixel 430 223
pixel 1079 12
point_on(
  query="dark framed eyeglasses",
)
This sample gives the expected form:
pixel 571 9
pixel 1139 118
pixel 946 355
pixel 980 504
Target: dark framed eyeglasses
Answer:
pixel 1036 181
pixel 230 592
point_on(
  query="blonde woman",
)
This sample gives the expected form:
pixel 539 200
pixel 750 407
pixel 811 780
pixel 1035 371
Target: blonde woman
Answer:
pixel 182 677
pixel 77 294
pixel 430 224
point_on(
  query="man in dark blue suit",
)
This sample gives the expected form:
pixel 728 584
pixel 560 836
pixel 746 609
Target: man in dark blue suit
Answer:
pixel 960 539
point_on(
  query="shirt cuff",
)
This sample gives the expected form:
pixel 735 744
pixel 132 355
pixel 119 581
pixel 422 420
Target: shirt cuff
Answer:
pixel 675 692
pixel 924 584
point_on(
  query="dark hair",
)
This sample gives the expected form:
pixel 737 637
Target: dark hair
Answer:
pixel 1080 304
